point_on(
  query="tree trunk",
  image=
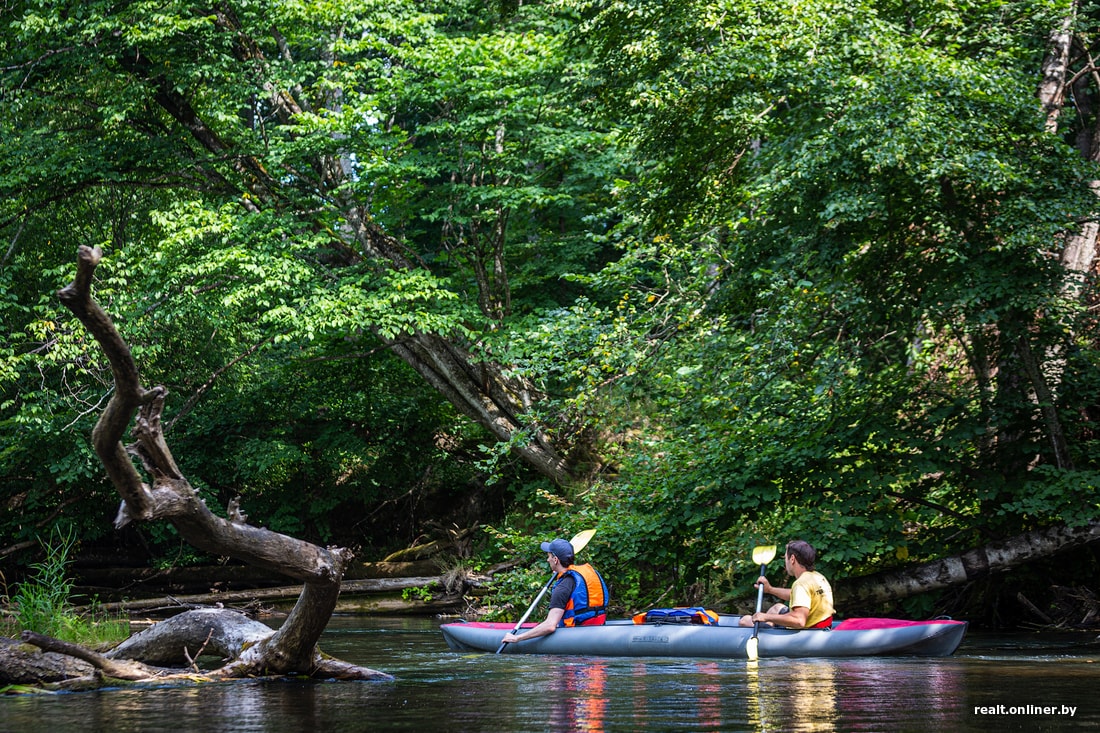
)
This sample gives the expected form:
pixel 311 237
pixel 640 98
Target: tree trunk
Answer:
pixel 482 392
pixel 291 649
pixel 144 582
pixel 951 571
pixel 1080 250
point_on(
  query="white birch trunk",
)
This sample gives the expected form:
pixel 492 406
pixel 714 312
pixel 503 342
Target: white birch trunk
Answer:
pixel 972 565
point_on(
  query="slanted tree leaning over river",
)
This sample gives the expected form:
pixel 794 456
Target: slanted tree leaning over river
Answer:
pixel 252 648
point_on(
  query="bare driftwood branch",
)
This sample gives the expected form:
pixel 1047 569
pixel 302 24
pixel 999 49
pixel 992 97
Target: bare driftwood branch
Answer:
pixel 169 496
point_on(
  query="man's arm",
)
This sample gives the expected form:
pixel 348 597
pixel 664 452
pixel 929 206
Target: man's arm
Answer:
pixel 559 598
pixel 547 627
pixel 793 619
pixel 783 594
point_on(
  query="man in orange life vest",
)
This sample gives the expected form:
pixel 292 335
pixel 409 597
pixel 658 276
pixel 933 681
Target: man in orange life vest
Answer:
pixel 810 597
pixel 579 597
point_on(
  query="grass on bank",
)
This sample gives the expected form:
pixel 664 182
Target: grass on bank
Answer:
pixel 42 603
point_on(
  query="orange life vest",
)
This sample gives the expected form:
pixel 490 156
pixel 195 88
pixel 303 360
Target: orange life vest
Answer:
pixel 587 605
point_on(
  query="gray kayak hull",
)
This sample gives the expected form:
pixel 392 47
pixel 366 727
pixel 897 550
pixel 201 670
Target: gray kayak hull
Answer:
pixel 623 638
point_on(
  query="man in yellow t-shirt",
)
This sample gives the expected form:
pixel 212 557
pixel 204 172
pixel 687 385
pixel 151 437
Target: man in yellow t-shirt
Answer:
pixel 809 599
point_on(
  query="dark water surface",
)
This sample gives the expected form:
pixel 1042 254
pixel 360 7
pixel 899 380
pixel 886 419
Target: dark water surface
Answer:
pixel 993 683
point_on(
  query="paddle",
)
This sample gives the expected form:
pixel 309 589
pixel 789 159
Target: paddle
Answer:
pixel 761 555
pixel 578 543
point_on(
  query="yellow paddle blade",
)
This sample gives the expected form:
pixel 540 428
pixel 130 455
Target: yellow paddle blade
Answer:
pixel 751 649
pixel 582 539
pixel 763 554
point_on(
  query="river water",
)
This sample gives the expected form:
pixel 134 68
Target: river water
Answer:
pixel 1026 682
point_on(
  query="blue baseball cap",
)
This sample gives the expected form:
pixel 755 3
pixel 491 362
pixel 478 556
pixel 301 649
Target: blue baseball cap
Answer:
pixel 560 549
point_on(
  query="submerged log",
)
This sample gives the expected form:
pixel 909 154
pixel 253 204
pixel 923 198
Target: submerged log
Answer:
pixel 171 649
pixel 122 669
pixel 180 640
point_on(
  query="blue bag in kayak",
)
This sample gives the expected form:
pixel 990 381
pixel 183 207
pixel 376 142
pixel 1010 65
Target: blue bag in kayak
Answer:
pixel 678 615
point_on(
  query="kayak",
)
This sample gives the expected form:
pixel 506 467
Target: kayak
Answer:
pixel 855 637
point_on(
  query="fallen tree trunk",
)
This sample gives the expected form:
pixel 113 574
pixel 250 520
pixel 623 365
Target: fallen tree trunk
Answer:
pixel 952 571
pixel 112 583
pixel 275 594
pixel 20 665
pixel 292 649
pixel 171 649
pixel 124 669
pixel 173 644
pixel 434 548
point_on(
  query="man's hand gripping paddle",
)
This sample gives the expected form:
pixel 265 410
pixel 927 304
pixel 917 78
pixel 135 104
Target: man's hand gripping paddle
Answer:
pixel 761 555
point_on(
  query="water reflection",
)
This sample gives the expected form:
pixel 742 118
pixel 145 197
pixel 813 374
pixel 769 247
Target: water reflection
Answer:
pixel 806 700
pixel 709 691
pixel 640 713
pixel 581 691
pixel 897 692
pixel 436 689
pixel 823 695
pixel 813 696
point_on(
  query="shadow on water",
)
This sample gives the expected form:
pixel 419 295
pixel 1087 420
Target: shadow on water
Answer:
pixel 1022 682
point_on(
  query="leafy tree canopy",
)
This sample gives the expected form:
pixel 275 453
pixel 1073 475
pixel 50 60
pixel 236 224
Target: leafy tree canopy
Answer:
pixel 764 270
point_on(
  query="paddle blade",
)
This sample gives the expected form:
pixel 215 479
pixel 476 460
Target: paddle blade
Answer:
pixel 581 540
pixel 763 554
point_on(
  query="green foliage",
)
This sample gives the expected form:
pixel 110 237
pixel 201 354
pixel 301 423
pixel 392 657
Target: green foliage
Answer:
pixel 768 269
pixel 249 316
pixel 423 595
pixel 52 385
pixel 42 603
pixel 514 592
pixel 860 212
pixel 314 447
